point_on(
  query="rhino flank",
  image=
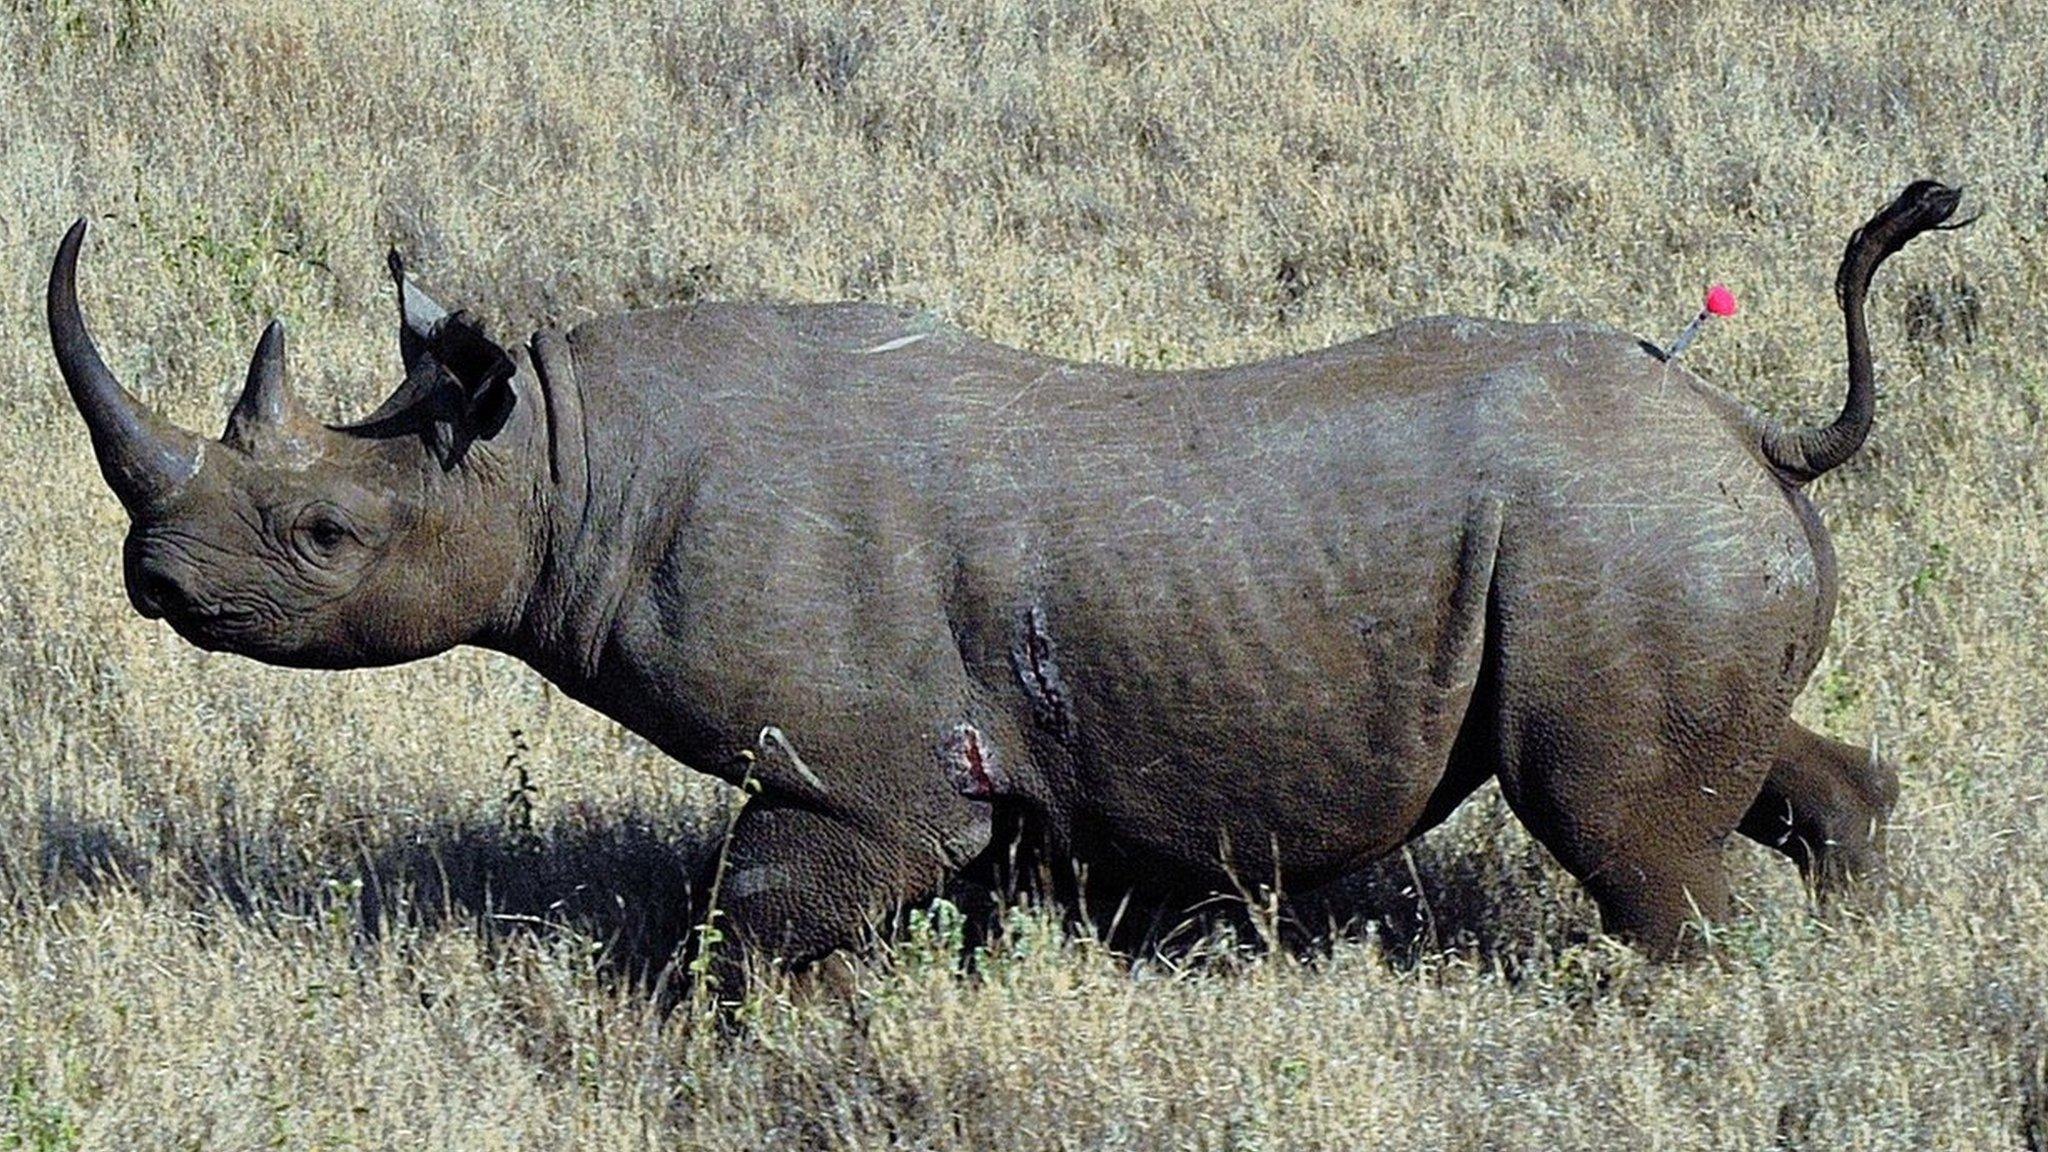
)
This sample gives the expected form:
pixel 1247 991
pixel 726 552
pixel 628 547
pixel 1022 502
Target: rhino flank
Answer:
pixel 1278 618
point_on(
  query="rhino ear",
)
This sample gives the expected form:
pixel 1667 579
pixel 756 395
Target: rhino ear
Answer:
pixel 480 371
pixel 458 381
pixel 420 316
pixel 458 386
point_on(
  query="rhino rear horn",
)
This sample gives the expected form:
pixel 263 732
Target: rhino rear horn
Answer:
pixel 145 459
pixel 266 412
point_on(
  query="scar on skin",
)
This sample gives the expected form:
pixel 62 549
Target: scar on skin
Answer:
pixel 750 881
pixel 971 763
pixel 771 738
pixel 892 345
pixel 1032 655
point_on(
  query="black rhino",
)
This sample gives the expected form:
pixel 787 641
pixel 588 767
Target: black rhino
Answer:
pixel 1280 617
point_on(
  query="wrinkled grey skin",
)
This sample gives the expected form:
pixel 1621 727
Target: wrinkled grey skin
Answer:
pixel 1280 617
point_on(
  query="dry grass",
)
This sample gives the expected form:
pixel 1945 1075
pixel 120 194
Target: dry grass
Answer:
pixel 192 847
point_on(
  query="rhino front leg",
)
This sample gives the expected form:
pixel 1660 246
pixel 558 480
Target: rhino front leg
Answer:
pixel 802 884
pixel 1825 805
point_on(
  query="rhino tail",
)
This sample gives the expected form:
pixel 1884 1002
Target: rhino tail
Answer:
pixel 1805 453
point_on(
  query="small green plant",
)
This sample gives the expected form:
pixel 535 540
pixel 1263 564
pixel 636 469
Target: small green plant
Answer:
pixel 937 938
pixel 128 27
pixel 1838 694
pixel 709 937
pixel 1931 573
pixel 31 1123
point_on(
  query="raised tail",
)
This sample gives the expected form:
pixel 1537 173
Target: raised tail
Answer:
pixel 1804 453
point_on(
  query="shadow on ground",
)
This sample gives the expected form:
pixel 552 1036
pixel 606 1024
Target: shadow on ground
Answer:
pixel 629 885
pixel 625 884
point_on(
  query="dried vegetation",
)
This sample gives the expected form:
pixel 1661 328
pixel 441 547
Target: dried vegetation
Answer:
pixel 244 907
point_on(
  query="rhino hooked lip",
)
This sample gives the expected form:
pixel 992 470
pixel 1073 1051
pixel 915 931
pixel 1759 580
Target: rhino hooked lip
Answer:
pixel 152 593
pixel 209 626
pixel 213 628
pixel 157 595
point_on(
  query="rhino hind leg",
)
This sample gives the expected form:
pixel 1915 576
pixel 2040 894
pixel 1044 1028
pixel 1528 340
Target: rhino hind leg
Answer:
pixel 1825 805
pixel 1635 808
pixel 1654 873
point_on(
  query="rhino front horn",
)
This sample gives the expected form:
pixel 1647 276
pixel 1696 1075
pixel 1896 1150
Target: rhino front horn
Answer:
pixel 266 411
pixel 146 459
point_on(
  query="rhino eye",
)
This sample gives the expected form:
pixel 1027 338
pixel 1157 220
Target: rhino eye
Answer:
pixel 321 532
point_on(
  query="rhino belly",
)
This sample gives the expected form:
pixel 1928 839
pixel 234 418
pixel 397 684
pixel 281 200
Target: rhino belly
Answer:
pixel 1226 713
pixel 1310 788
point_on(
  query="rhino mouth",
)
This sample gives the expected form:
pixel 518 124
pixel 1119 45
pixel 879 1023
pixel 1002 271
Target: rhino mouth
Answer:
pixel 161 591
pixel 210 624
pixel 215 628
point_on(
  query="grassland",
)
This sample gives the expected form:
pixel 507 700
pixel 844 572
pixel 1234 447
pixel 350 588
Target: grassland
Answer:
pixel 243 907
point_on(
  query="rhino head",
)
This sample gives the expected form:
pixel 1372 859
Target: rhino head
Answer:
pixel 311 545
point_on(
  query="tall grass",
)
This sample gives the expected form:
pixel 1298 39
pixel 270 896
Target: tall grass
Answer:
pixel 246 907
